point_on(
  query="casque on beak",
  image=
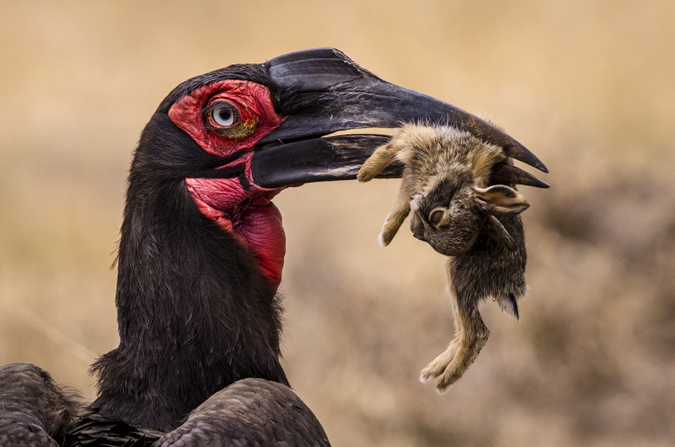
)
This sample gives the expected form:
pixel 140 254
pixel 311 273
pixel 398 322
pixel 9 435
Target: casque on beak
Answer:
pixel 332 93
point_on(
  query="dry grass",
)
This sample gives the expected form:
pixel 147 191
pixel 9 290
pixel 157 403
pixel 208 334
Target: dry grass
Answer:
pixel 588 86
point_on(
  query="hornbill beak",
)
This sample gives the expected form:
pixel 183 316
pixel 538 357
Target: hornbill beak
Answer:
pixel 332 93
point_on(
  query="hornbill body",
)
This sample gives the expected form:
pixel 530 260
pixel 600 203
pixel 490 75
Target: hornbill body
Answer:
pixel 202 248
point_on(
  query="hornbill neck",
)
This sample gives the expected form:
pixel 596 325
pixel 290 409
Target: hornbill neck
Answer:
pixel 195 313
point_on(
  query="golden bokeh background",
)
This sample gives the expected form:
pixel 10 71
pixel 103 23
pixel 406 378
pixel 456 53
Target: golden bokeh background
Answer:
pixel 589 86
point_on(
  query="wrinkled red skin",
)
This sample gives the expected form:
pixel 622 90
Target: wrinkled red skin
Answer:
pixel 248 215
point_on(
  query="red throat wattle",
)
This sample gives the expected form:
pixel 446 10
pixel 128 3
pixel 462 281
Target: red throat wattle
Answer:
pixel 247 213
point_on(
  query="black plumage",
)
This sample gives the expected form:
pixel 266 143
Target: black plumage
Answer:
pixel 34 411
pixel 246 406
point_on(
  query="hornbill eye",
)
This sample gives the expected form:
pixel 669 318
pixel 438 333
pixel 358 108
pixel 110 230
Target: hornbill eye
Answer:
pixel 224 114
pixel 229 120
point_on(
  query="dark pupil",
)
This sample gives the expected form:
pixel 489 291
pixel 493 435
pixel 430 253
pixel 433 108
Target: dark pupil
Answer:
pixel 225 114
pixel 436 217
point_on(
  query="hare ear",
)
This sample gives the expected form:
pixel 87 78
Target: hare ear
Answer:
pixel 500 199
pixel 497 232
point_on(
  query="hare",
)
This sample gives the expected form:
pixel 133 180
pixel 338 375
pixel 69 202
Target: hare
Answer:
pixel 461 193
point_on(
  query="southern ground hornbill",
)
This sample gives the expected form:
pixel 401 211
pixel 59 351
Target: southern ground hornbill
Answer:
pixel 202 250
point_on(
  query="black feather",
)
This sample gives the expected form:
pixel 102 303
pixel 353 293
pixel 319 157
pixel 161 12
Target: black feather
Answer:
pixel 33 409
pixel 96 431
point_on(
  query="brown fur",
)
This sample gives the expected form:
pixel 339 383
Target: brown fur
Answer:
pixel 446 184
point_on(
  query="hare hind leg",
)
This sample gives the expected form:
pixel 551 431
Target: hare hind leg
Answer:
pixel 471 334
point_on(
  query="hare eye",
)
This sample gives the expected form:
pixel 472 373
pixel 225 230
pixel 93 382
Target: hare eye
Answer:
pixel 436 216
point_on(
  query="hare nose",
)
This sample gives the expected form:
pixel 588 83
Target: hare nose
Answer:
pixel 419 235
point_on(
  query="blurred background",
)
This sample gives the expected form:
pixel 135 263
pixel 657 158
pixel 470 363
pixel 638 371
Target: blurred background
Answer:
pixel 589 86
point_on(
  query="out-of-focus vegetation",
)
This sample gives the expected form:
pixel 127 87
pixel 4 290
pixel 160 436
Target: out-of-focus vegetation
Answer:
pixel 588 86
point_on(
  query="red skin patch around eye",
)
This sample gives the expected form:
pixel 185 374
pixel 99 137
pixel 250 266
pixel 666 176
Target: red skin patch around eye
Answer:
pixel 247 214
pixel 251 100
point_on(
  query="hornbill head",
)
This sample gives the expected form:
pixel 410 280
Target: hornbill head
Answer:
pixel 241 134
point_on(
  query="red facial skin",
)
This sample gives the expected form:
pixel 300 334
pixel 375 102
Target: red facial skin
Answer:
pixel 248 215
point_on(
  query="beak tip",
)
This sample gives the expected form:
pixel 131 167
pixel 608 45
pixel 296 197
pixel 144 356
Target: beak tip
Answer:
pixel 520 152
